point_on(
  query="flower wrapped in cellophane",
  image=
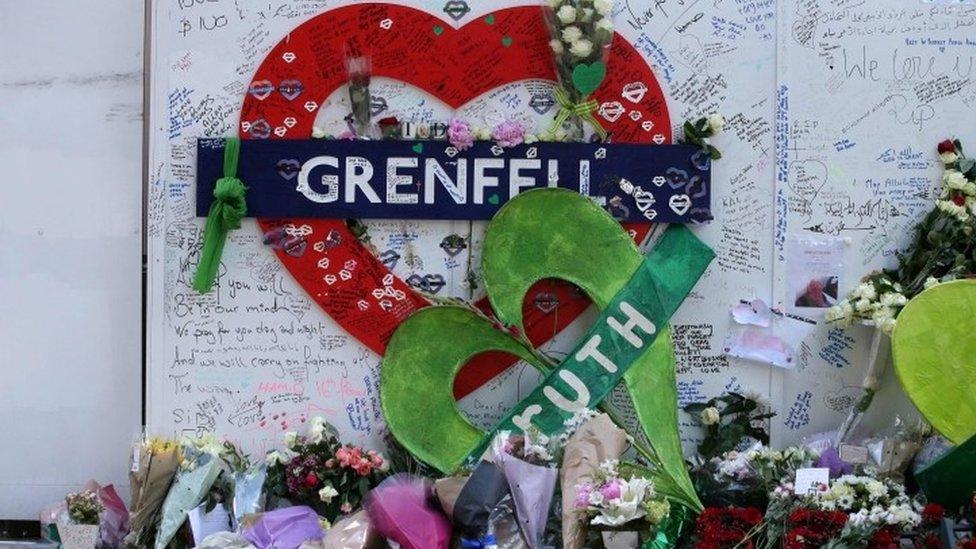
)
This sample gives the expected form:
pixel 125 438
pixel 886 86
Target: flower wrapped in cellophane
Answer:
pixel 581 32
pixel 529 463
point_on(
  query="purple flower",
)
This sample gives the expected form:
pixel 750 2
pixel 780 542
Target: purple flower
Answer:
pixel 508 134
pixel 611 490
pixel 460 135
pixel 583 495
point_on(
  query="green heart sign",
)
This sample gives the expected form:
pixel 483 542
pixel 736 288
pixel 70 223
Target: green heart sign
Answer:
pixel 934 351
pixel 630 342
pixel 587 78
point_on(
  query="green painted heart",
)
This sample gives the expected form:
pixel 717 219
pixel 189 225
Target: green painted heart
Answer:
pixel 934 351
pixel 636 295
pixel 438 30
pixel 587 78
pixel 418 148
pixel 493 199
pixel 490 19
pixel 506 41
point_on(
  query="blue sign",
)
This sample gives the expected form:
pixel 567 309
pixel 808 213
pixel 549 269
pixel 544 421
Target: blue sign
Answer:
pixel 319 178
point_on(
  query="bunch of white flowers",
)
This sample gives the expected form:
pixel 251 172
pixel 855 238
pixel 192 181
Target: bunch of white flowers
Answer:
pixel 870 502
pixel 581 28
pixel 878 299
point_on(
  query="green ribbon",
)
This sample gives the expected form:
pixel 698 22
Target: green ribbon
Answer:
pixel 226 212
pixel 584 109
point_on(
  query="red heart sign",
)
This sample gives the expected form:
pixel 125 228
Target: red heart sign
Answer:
pixel 456 65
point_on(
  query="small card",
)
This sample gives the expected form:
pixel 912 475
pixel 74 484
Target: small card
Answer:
pixel 853 454
pixel 203 524
pixel 809 479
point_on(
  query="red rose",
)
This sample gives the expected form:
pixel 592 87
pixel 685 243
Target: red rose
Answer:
pixel 933 512
pixel 311 481
pixel 388 122
pixel 947 146
pixel 959 200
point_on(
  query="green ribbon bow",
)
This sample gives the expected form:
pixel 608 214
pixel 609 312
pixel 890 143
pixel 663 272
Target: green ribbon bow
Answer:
pixel 226 212
pixel 584 109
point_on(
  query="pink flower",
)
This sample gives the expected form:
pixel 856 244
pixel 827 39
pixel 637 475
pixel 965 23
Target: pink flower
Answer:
pixel 330 463
pixel 311 481
pixel 583 495
pixel 348 134
pixel 376 459
pixel 508 134
pixel 342 454
pixel 460 135
pixel 611 490
pixel 346 507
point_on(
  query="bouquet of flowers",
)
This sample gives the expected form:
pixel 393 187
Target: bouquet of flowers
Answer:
pixel 619 499
pixel 319 471
pixel 529 465
pixel 154 464
pixel 729 420
pixel 581 32
pixel 748 476
pixel 942 249
pixel 727 527
pixel 84 507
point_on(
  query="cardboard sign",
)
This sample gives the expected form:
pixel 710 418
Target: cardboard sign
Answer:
pixel 339 179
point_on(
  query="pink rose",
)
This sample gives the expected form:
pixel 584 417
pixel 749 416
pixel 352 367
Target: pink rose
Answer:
pixel 611 490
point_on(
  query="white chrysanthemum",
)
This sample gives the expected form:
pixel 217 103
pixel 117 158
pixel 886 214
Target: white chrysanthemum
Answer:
pixel 710 416
pixel 948 157
pixel 581 48
pixel 566 14
pixel 893 299
pixel 291 439
pixel 557 46
pixel 865 290
pixel 863 305
pixel 327 493
pixel 716 123
pixel 603 7
pixel 571 34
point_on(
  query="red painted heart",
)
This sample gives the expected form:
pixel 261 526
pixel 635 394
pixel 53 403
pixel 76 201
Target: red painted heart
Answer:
pixel 342 276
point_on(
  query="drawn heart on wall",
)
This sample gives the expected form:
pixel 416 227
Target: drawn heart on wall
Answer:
pixel 356 288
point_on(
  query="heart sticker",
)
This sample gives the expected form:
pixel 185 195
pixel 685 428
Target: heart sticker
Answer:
pixel 439 65
pixel 587 78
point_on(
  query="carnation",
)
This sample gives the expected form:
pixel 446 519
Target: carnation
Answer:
pixel 460 135
pixel 508 134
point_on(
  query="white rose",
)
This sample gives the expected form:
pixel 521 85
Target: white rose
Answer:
pixel 482 134
pixel 716 123
pixel 557 46
pixel 948 157
pixel 566 14
pixel 291 439
pixel 893 299
pixel 581 48
pixel 862 305
pixel 605 24
pixel 327 493
pixel 571 34
pixel 603 7
pixel 586 15
pixel 710 416
pixel 554 4
pixel 317 430
pixel 275 457
pixel 317 132
pixel 931 281
pixel 954 179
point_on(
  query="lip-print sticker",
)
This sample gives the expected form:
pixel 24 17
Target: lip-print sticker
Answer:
pixel 546 302
pixel 634 92
pixel 389 258
pixel 453 244
pixel 456 9
pixel 290 89
pixel 377 105
pixel 541 103
pixel 680 203
pixel 261 89
pixel 431 283
pixel 260 129
pixel 288 168
pixel 612 111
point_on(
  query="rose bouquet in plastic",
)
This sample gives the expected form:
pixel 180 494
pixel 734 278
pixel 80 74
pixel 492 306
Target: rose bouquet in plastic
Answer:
pixel 620 499
pixel 319 471
pixel 581 32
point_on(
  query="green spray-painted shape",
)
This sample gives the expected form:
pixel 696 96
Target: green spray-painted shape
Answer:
pixel 546 233
pixel 935 353
pixel 417 380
